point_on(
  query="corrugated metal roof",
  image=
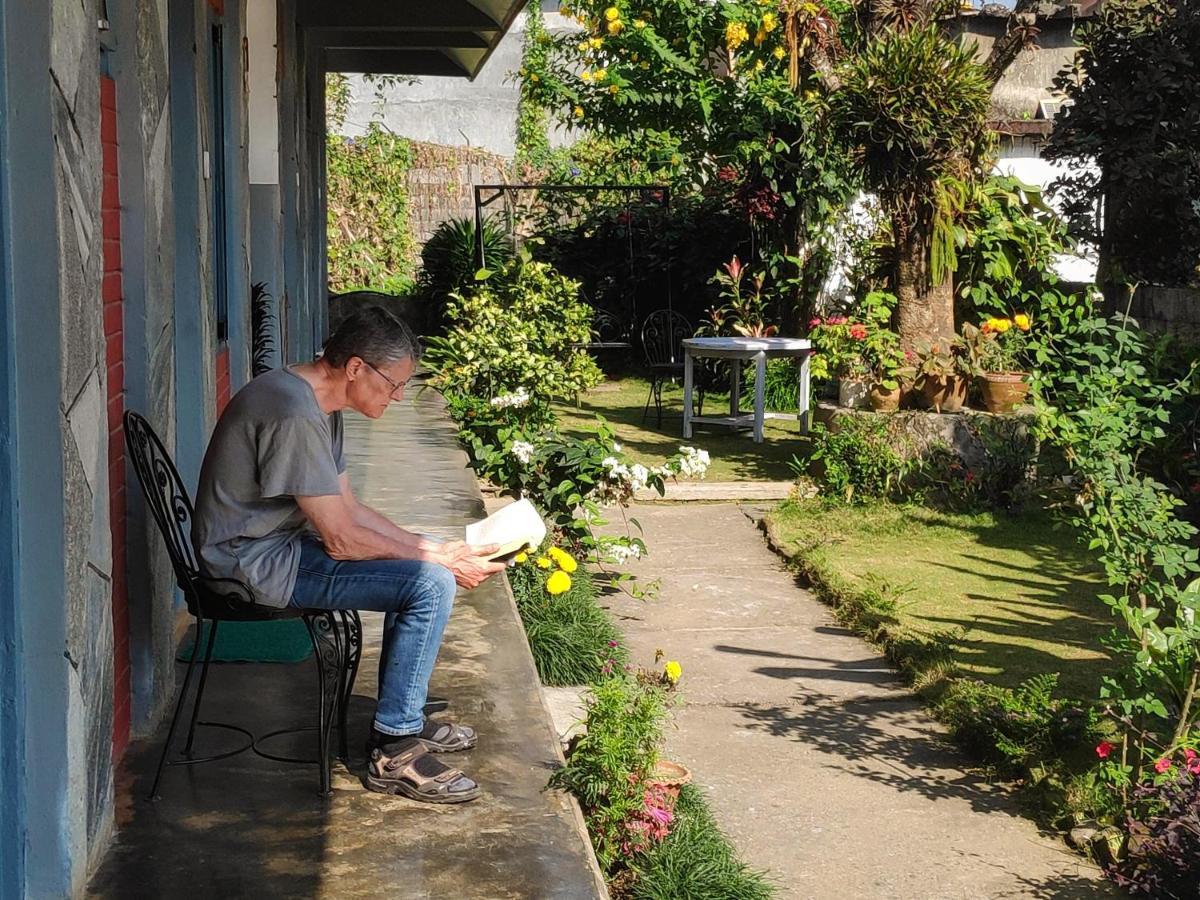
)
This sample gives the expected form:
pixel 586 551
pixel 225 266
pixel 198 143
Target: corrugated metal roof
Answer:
pixel 407 37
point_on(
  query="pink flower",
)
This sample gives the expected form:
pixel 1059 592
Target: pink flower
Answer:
pixel 814 323
pixel 1162 765
pixel 969 477
pixel 1104 748
pixel 734 268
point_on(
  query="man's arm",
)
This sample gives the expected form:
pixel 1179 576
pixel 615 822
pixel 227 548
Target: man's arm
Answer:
pixel 369 518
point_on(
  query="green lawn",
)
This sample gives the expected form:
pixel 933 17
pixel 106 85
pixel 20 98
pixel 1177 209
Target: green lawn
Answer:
pixel 735 456
pixel 1021 593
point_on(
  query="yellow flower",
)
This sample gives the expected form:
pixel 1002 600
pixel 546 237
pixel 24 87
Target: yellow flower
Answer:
pixel 1021 321
pixel 543 562
pixel 585 46
pixel 639 24
pixel 596 43
pixel 564 559
pixel 758 65
pixel 759 38
pixel 585 76
pixel 672 671
pixel 558 583
pixel 612 14
pixel 579 112
pixel 612 88
pixel 521 557
pixel 600 74
pixel 779 53
pixel 615 27
pixel 534 78
pixel 736 34
pixel 643 65
pixel 769 22
pixel 1002 325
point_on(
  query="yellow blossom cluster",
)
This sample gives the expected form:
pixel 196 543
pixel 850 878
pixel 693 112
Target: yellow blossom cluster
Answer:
pixel 558 581
pixel 996 325
pixel 736 34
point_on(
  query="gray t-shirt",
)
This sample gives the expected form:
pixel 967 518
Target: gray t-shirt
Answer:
pixel 272 444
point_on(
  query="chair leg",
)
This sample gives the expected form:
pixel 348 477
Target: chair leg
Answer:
pixel 327 644
pixel 353 634
pixel 187 681
pixel 649 396
pixel 212 639
pixel 658 386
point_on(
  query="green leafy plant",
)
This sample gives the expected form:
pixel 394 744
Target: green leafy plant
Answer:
pixel 370 245
pixel 522 328
pixel 999 345
pixel 744 311
pixel 857 460
pixel 608 765
pixel 942 358
pixel 781 390
pixel 450 261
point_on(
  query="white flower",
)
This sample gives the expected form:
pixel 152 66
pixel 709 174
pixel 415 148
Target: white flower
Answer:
pixel 522 451
pixel 518 398
pixel 638 476
pixel 693 463
pixel 619 553
pixel 616 447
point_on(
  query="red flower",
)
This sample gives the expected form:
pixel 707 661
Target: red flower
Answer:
pixel 858 331
pixel 1162 765
pixel 969 477
pixel 1104 748
pixel 814 323
pixel 1196 487
pixel 734 268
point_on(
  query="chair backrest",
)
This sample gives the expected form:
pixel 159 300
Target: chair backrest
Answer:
pixel 166 496
pixel 607 328
pixel 663 334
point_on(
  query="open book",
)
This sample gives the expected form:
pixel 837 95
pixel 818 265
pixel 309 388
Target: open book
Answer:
pixel 514 528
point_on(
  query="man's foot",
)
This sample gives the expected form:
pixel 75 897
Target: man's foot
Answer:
pixel 415 773
pixel 447 737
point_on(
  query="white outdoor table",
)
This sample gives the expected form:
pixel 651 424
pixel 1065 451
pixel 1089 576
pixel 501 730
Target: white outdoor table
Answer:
pixel 739 348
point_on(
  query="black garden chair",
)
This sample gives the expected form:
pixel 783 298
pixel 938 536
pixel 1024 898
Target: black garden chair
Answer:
pixel 663 334
pixel 336 635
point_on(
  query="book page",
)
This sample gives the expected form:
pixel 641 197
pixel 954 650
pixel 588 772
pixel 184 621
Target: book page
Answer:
pixel 514 527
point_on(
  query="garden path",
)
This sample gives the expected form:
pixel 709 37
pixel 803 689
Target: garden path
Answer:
pixel 819 764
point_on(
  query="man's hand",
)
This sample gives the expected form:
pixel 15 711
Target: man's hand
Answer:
pixel 470 564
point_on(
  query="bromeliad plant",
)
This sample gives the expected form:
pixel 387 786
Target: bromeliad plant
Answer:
pixel 744 311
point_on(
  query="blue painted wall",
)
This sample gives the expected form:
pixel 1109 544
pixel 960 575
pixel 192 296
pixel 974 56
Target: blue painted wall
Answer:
pixel 32 611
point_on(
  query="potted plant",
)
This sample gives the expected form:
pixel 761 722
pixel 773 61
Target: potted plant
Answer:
pixel 885 359
pixel 997 352
pixel 839 343
pixel 942 375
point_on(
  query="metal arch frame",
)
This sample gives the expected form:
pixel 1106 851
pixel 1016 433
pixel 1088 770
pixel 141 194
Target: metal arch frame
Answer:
pixel 500 190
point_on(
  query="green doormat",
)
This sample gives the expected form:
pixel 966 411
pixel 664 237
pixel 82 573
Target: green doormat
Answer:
pixel 285 641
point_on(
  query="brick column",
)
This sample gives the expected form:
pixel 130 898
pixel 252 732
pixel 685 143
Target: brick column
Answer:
pixel 112 294
pixel 223 383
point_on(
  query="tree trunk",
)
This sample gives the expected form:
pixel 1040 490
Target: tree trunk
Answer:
pixel 925 312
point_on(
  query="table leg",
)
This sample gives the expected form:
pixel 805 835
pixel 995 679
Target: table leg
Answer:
pixel 735 386
pixel 687 393
pixel 805 389
pixel 760 393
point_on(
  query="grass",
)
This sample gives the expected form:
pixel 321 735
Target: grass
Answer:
pixel 696 861
pixel 735 456
pixel 1016 596
pixel 570 635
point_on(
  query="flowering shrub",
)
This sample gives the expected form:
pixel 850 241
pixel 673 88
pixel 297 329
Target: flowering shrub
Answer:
pixel 1164 853
pixel 744 312
pixel 856 462
pixel 516 334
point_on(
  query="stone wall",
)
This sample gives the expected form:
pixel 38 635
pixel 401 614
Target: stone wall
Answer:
pixel 440 184
pixel 1168 309
pixel 87 756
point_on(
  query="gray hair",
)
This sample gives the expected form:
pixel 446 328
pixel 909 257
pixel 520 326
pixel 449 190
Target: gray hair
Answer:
pixel 374 335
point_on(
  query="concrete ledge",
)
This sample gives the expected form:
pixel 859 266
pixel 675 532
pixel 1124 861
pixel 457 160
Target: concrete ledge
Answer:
pixel 247 826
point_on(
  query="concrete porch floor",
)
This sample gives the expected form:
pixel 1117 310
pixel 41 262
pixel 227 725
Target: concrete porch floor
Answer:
pixel 247 826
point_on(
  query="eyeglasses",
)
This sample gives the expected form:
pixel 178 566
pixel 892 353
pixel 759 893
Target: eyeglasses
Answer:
pixel 396 386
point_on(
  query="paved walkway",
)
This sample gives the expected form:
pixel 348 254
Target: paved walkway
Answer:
pixel 818 763
pixel 247 827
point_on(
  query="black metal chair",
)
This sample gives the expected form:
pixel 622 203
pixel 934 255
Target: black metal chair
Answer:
pixel 663 334
pixel 336 635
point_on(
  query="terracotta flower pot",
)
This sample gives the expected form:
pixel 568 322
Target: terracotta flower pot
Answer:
pixel 944 393
pixel 1003 391
pixel 852 394
pixel 884 400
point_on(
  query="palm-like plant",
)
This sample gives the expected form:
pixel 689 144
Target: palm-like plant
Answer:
pixel 449 259
pixel 915 106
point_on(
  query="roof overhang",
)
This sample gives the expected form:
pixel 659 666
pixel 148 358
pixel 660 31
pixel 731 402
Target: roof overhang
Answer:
pixel 407 37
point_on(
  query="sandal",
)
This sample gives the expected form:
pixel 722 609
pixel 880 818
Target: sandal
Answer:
pixel 418 775
pixel 447 737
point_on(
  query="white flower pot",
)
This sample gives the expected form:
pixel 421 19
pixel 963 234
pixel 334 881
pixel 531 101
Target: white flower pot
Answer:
pixel 853 394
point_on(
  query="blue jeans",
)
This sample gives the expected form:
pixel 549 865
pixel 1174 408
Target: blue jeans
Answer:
pixel 417 597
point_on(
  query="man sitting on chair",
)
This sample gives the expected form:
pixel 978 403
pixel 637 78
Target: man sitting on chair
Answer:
pixel 274 509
